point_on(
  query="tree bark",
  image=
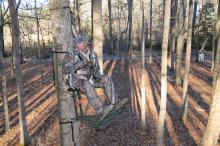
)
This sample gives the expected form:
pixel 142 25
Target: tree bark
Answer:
pixel 204 11
pixel 143 89
pixel 173 26
pixel 62 40
pixel 212 131
pixel 151 43
pixel 217 57
pixel 214 37
pixel 180 40
pixel 24 137
pixel 2 48
pixel 166 27
pixel 5 102
pixel 12 54
pixel 119 30
pixel 194 17
pixel 97 31
pixel 29 43
pixel 187 60
pixel 3 80
pixel 130 10
pixel 110 25
pixel 211 135
pixel 78 15
pixel 38 42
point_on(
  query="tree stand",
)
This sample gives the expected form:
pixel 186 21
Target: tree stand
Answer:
pixel 94 121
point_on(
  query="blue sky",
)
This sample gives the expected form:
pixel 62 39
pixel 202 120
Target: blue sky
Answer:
pixel 29 2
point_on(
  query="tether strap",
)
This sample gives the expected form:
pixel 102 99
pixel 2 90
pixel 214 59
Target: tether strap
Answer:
pixel 70 122
pixel 60 52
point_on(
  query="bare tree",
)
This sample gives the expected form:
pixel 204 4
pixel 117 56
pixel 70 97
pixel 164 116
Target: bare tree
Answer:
pixel 187 59
pixel 62 40
pixel 215 56
pixel 211 135
pixel 166 28
pixel 119 28
pixel 13 8
pixel 97 31
pixel 143 88
pixel 214 38
pixel 38 41
pixel 180 40
pixel 194 22
pixel 110 25
pixel 2 24
pixel 130 10
pixel 78 15
pixel 5 102
pixel 173 26
pixel 3 80
pixel 204 24
pixel 151 18
pixel 1 32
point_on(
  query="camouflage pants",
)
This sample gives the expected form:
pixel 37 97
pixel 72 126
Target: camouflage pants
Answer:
pixel 89 90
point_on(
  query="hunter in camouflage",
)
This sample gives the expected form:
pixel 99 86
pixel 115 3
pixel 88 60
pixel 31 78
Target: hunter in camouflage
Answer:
pixel 82 72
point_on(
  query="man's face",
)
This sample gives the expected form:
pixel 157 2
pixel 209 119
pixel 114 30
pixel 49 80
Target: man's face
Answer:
pixel 81 46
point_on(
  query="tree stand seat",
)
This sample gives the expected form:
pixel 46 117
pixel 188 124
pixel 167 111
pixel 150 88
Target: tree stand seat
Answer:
pixel 96 121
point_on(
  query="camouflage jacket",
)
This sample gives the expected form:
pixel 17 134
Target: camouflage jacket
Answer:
pixel 77 65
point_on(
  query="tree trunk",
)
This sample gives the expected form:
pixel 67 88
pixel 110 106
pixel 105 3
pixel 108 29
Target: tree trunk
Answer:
pixel 187 59
pixel 21 53
pixel 214 37
pixel 62 40
pixel 24 137
pixel 213 52
pixel 110 25
pixel 204 24
pixel 119 30
pixel 151 43
pixel 173 26
pixel 97 31
pixel 143 89
pixel 211 135
pixel 29 43
pixel 12 54
pixel 130 9
pixel 38 42
pixel 5 103
pixel 217 57
pixel 186 17
pixel 166 27
pixel 212 131
pixel 194 17
pixel 78 15
pixel 3 80
pixel 42 37
pixel 180 41
pixel 2 48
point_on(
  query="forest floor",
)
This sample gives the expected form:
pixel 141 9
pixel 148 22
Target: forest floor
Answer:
pixel 42 111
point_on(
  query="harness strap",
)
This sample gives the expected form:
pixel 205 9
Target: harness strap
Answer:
pixel 70 122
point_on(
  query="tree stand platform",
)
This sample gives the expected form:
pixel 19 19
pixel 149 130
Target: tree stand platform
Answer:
pixel 98 121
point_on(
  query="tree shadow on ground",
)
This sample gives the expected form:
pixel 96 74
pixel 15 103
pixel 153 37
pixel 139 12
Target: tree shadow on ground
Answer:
pixel 123 131
pixel 173 111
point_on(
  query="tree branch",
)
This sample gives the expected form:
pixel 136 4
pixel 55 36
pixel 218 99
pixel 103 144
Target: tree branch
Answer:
pixel 5 12
pixel 19 2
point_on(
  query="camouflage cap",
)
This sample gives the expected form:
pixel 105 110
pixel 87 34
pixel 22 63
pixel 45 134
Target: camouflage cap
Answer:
pixel 81 38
